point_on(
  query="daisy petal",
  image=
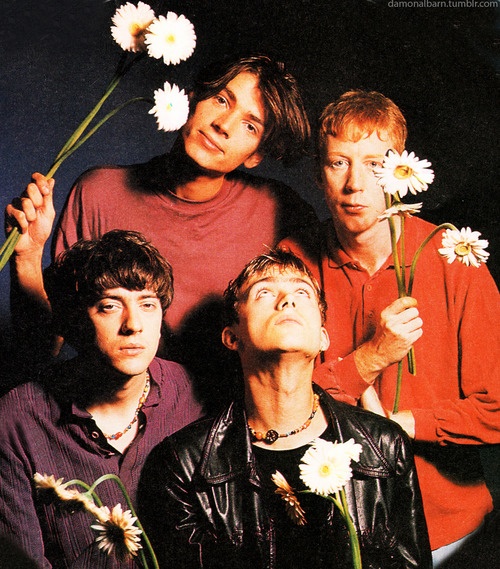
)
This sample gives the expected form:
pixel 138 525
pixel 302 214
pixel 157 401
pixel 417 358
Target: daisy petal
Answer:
pixel 130 24
pixel 172 38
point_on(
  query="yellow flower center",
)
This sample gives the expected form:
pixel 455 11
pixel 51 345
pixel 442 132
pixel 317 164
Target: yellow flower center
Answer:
pixel 324 470
pixel 463 249
pixel 170 38
pixel 136 30
pixel 402 172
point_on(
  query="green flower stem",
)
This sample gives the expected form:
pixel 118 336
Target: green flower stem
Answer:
pixel 421 248
pixel 340 500
pixel 92 131
pixel 412 364
pixel 353 536
pixel 9 246
pixel 144 536
pixel 394 247
pixel 121 69
pixel 398 387
pixel 89 490
pixel 74 142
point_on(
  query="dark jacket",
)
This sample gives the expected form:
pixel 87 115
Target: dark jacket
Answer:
pixel 201 498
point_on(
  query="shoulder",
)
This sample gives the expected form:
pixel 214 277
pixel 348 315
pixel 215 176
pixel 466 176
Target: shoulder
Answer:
pixel 167 370
pixel 24 405
pixel 386 448
pixel 279 190
pixel 124 176
pixel 183 448
pixel 432 265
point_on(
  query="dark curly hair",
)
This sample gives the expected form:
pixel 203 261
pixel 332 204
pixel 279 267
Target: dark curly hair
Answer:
pixel 80 275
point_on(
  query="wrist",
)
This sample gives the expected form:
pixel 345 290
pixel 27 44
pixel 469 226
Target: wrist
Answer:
pixel 368 362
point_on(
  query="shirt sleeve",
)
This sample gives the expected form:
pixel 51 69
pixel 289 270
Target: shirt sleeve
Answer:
pixel 18 516
pixel 474 416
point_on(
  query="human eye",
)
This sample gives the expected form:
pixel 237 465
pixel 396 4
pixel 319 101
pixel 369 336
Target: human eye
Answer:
pixel 251 128
pixel 107 306
pixel 150 305
pixel 303 291
pixel 263 292
pixel 220 100
pixel 374 164
pixel 338 164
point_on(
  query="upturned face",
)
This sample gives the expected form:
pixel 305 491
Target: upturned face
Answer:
pixel 353 196
pixel 225 130
pixel 279 313
pixel 127 328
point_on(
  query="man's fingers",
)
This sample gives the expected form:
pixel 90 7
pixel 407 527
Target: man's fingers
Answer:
pixel 44 185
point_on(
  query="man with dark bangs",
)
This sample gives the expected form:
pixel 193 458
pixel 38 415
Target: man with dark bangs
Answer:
pixel 205 216
pixel 99 413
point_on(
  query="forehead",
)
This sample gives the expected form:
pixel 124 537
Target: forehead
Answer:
pixel 277 276
pixel 245 90
pixel 127 294
pixel 369 143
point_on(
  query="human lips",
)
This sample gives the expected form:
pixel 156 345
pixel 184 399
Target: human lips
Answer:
pixel 287 319
pixel 353 208
pixel 132 349
pixel 209 142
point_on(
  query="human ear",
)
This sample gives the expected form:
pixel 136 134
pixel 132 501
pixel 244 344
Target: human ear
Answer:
pixel 325 340
pixel 229 339
pixel 254 160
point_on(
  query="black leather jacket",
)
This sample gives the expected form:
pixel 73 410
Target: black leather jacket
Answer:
pixel 201 498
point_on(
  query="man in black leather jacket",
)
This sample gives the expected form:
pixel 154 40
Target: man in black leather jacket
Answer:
pixel 207 498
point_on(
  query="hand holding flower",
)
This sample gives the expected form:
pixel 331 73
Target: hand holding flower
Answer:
pixel 399 327
pixel 399 175
pixel 34 214
pixel 137 31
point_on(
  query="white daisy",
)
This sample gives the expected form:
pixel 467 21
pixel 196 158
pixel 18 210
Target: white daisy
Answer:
pixel 172 38
pixel 403 173
pixel 465 246
pixel 292 505
pixel 118 533
pixel 171 107
pixel 130 24
pixel 325 467
pixel 399 208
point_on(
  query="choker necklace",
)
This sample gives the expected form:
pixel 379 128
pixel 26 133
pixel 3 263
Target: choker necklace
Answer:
pixel 272 436
pixel 144 395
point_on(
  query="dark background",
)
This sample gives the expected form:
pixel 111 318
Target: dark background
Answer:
pixel 440 65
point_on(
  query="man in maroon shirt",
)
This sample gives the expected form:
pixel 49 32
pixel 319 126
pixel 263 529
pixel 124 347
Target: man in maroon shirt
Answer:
pixel 205 217
pixel 101 412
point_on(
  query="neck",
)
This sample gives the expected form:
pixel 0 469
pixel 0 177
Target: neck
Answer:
pixel 370 248
pixel 282 400
pixel 122 398
pixel 188 180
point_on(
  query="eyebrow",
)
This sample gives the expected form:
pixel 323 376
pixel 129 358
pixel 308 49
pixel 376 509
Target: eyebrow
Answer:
pixel 144 295
pixel 296 280
pixel 250 115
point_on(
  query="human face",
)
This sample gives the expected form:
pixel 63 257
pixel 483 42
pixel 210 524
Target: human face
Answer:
pixel 279 312
pixel 127 327
pixel 225 130
pixel 353 196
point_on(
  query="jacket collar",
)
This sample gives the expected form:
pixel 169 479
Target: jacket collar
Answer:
pixel 228 452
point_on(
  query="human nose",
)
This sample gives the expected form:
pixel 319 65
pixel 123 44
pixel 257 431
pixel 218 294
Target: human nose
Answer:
pixel 132 322
pixel 223 123
pixel 286 300
pixel 356 179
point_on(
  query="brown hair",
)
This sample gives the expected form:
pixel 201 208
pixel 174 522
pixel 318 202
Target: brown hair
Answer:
pixel 287 130
pixel 80 275
pixel 356 114
pixel 281 258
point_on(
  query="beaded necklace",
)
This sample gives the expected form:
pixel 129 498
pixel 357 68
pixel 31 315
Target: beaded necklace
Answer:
pixel 272 436
pixel 142 399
